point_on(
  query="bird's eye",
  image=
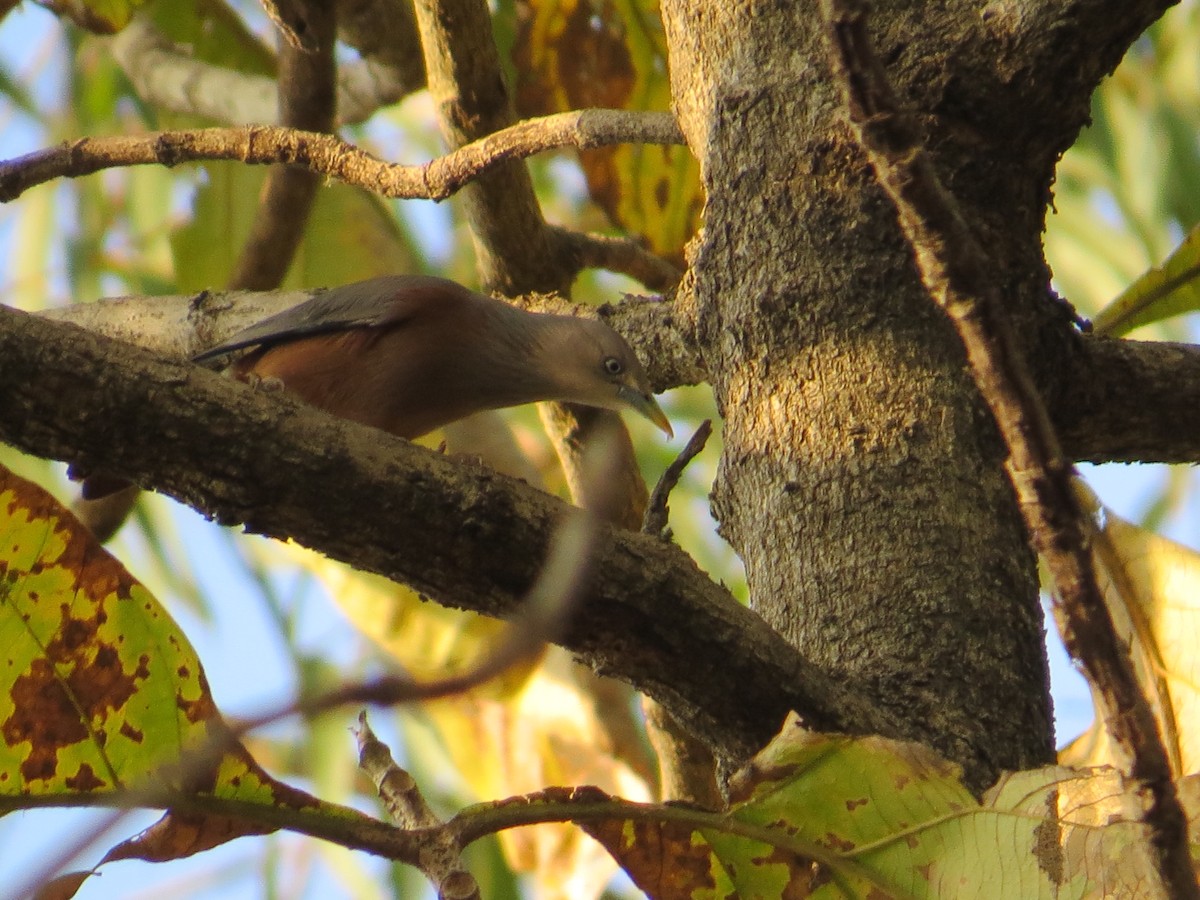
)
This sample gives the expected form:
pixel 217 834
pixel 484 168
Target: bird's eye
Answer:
pixel 613 366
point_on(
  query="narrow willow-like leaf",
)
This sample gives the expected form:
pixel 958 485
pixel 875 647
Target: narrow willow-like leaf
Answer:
pixel 1170 289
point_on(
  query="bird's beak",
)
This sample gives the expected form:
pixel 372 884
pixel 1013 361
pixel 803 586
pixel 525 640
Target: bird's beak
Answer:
pixel 646 405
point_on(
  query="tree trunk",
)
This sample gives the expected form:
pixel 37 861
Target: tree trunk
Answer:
pixel 862 481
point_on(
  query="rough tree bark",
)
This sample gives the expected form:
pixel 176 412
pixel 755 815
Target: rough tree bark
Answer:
pixel 861 482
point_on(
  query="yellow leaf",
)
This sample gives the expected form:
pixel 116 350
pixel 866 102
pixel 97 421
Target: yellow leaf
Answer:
pixel 575 54
pixel 1152 588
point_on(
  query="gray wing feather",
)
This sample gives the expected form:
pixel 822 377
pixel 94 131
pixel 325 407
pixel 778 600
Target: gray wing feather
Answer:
pixel 386 300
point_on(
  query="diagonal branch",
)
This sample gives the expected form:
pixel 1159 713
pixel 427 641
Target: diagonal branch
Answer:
pixel 513 248
pixel 961 278
pixel 465 536
pixel 307 100
pixel 336 158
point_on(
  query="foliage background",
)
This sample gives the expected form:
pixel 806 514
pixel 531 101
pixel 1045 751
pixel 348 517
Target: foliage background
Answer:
pixel 262 618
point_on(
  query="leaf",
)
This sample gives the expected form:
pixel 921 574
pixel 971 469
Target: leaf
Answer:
pixel 64 887
pixel 833 816
pixel 1089 840
pixel 574 54
pixel 101 16
pixel 350 234
pixel 1128 189
pixel 100 692
pixel 213 33
pixel 1170 289
pixel 99 689
pixel 1152 588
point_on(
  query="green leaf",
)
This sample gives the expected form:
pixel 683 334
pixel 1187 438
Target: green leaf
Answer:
pixel 351 235
pixel 213 33
pixel 101 693
pixel 831 816
pixel 103 16
pixel 1167 290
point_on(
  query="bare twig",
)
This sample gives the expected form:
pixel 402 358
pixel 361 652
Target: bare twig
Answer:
pixel 334 157
pixel 441 854
pixel 624 255
pixel 962 280
pixel 401 796
pixel 657 512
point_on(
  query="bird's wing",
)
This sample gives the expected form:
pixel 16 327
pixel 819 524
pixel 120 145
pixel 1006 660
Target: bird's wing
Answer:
pixel 384 301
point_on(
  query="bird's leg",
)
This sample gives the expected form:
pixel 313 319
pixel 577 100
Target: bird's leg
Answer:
pixel 268 383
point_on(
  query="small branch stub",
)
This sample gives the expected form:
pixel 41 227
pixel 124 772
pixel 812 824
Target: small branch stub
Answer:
pixel 657 512
pixel 441 857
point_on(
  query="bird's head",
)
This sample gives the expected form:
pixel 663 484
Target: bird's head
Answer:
pixel 594 365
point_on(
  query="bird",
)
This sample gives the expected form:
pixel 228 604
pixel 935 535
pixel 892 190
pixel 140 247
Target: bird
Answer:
pixel 410 353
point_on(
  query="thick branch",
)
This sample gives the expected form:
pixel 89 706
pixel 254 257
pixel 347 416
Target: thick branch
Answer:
pixel 1130 401
pixel 332 156
pixel 465 536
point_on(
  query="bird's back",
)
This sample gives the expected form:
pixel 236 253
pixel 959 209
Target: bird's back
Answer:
pixel 376 302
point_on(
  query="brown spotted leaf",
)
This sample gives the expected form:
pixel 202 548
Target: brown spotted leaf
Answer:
pixel 98 689
pixel 833 816
pixel 574 54
pixel 100 692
